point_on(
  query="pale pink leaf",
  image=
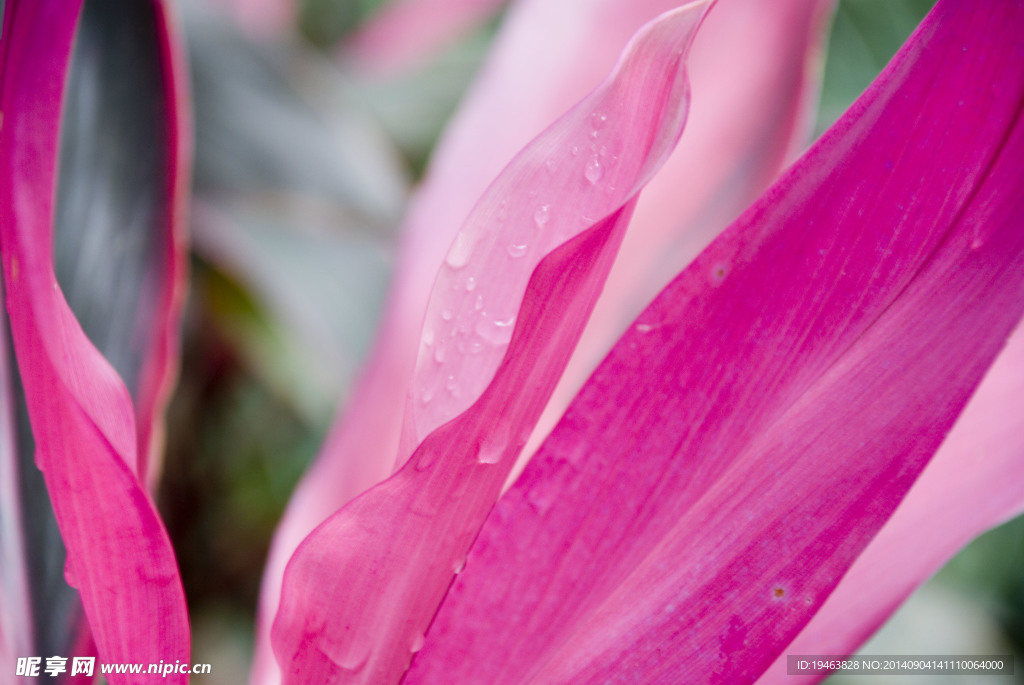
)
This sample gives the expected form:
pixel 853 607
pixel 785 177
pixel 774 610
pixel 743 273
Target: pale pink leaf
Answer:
pixel 750 434
pixel 360 591
pixel 754 71
pixel 753 66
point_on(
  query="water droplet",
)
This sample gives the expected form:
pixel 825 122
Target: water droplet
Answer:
pixel 598 119
pixel 428 336
pixel 575 150
pixel 594 170
pixel 517 251
pixel 460 252
pixel 446 314
pixel 475 347
pixel 427 395
pixel 459 566
pixel 479 304
pixel 593 134
pixel 352 656
pixel 470 284
pixel 439 355
pixel 425 459
pixel 493 445
pixel 450 384
pixel 417 643
pixel 498 331
pixel 550 164
pixel 541 216
pixel 644 327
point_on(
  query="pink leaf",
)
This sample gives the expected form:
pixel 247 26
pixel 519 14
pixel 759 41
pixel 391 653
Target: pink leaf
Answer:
pixel 748 59
pixel 119 556
pixel 159 368
pixel 754 73
pixel 359 592
pixel 971 484
pixel 745 440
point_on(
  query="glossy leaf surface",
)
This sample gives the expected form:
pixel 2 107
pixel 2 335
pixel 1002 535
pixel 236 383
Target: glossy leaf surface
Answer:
pixel 119 212
pixel 360 590
pixel 796 379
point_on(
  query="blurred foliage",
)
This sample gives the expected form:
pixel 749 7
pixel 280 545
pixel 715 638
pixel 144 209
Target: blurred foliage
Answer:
pixel 865 35
pixel 990 570
pixel 324 22
pixel 414 108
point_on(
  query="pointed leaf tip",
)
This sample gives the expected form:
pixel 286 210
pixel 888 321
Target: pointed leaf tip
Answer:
pixel 82 415
pixel 795 381
pixel 363 587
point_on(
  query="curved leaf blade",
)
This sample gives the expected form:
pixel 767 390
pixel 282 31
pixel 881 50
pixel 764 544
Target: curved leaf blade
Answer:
pixel 978 467
pixel 361 589
pixel 797 378
pixel 122 195
pixel 726 124
pixel 82 414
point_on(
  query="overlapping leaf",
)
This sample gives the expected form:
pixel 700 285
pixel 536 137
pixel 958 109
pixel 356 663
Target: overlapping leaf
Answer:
pixel 972 484
pixel 119 214
pixel 747 118
pixel 361 589
pixel 796 379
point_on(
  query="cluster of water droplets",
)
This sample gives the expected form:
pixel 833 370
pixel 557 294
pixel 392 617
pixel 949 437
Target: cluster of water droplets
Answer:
pixel 477 325
pixel 594 169
pixel 598 159
pixel 468 324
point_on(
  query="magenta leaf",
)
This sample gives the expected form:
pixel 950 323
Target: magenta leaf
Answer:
pixel 748 117
pixel 121 200
pixel 119 211
pixel 763 418
pixel 360 591
pixel 971 485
